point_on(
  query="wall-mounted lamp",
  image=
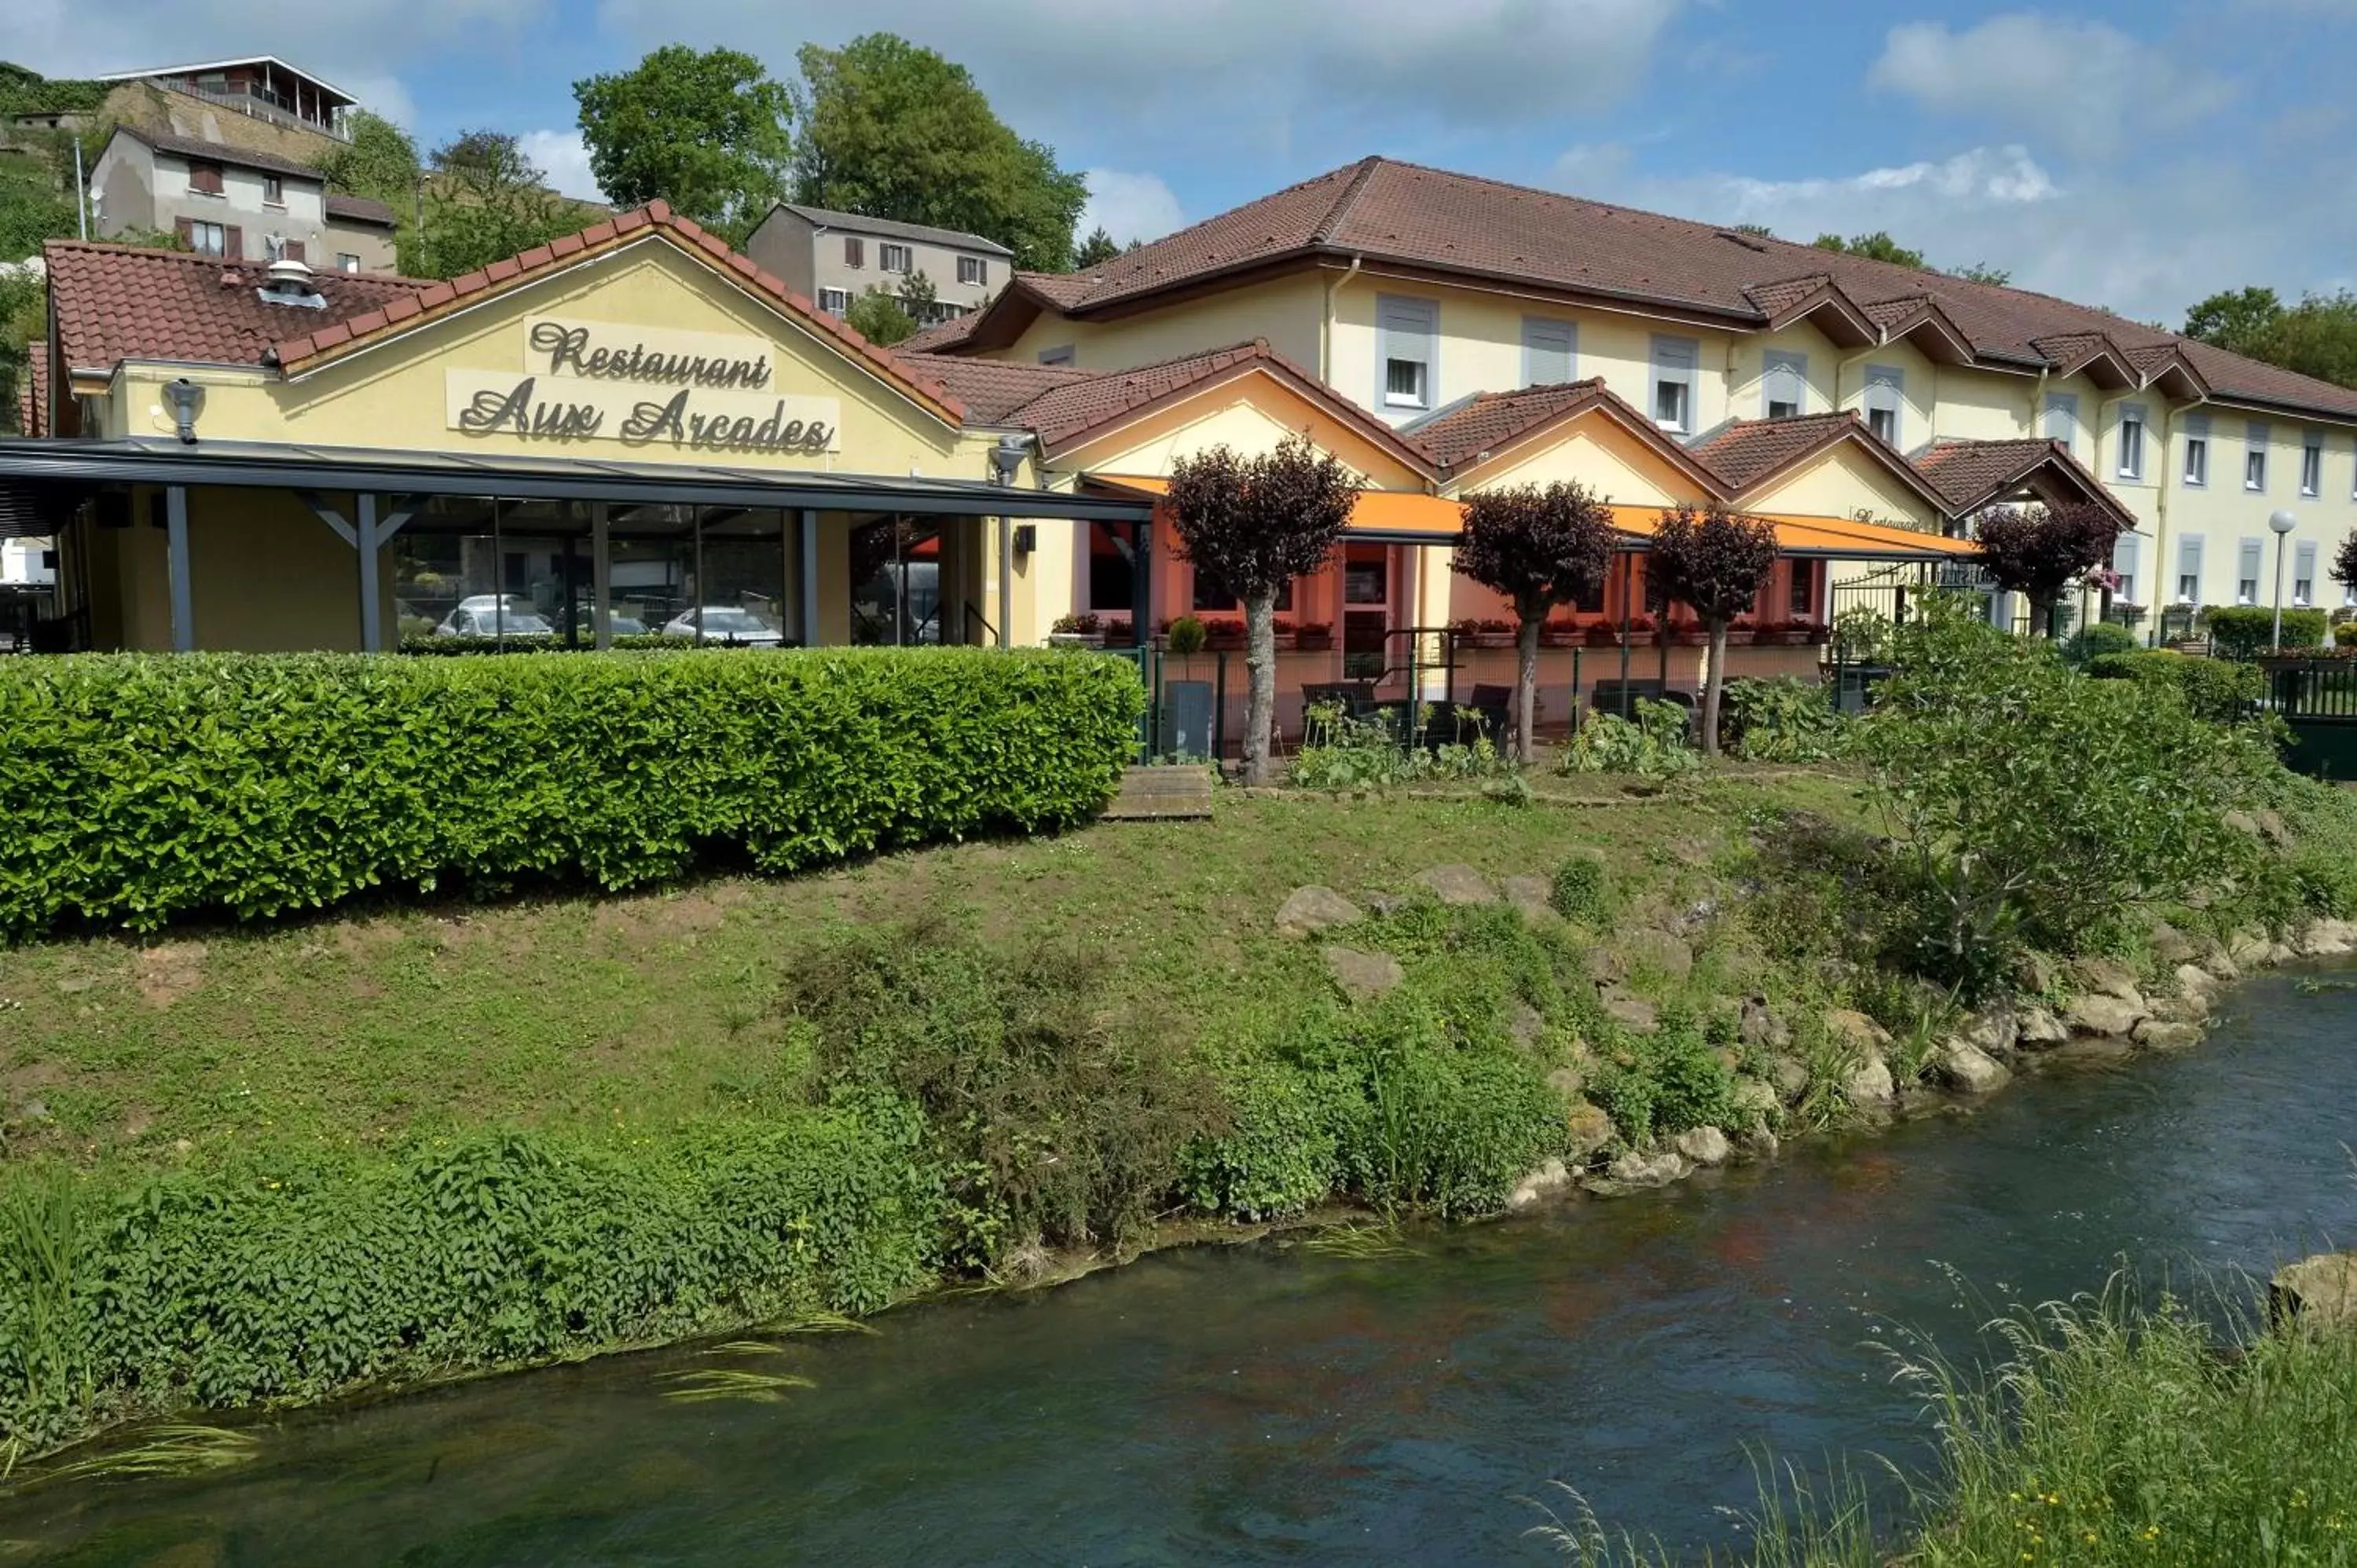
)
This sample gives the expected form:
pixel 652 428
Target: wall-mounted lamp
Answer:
pixel 1026 538
pixel 1006 458
pixel 186 397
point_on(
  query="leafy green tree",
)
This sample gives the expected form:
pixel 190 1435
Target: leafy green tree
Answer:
pixel 2317 336
pixel 2243 321
pixel 1981 271
pixel 2034 804
pixel 1717 560
pixel 1095 251
pixel 1539 548
pixel 1257 523
pixel 488 200
pixel 892 129
pixel 881 318
pixel 1877 246
pixel 2344 562
pixel 708 133
pixel 2041 551
pixel 380 163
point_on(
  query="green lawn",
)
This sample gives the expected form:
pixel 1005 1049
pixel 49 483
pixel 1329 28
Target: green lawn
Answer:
pixel 634 1013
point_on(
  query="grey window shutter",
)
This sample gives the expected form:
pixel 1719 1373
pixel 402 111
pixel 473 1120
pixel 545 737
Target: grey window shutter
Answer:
pixel 1550 347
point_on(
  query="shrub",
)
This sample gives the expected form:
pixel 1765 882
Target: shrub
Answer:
pixel 1666 1082
pixel 138 788
pixel 1785 720
pixel 2345 635
pixel 1654 745
pixel 2219 691
pixel 2245 631
pixel 2090 641
pixel 2027 800
pixel 295 1274
pixel 1580 893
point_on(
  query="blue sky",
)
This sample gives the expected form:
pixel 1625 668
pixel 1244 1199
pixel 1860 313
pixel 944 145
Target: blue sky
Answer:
pixel 2135 157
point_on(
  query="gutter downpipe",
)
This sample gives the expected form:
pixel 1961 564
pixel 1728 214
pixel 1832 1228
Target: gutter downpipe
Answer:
pixel 1326 326
pixel 2167 456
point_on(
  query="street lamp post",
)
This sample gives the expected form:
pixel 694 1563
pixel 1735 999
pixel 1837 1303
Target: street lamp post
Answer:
pixel 2282 523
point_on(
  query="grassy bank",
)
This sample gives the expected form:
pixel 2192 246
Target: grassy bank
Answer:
pixel 2111 1434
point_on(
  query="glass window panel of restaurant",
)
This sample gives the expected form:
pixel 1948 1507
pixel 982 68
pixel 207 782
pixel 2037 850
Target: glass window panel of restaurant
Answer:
pixel 896 581
pixel 475 566
pixel 652 583
pixel 1113 577
pixel 743 602
pixel 1366 610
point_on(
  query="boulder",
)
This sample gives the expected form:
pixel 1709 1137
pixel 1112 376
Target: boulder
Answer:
pixel 1791 1076
pixel 2192 979
pixel 2033 973
pixel 1627 1009
pixel 2156 1036
pixel 1588 1128
pixel 1706 1147
pixel 2247 949
pixel 1752 1097
pixel 2243 823
pixel 1364 976
pixel 1604 966
pixel 1552 1178
pixel 1760 1140
pixel 2108 977
pixel 1569 1082
pixel 2102 1015
pixel 1309 909
pixel 1525 1024
pixel 2039 1030
pixel 2316 1293
pixel 2171 946
pixel 1856 1030
pixel 1993 1031
pixel 1968 1070
pixel 2328 939
pixel 1530 894
pixel 2279 953
pixel 1648 949
pixel 1868 1086
pixel 2221 965
pixel 1754 1025
pixel 2192 1009
pixel 1456 885
pixel 2271 827
pixel 1634 1170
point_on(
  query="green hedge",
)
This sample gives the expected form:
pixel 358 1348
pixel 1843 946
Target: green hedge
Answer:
pixel 2244 631
pixel 2219 689
pixel 297 1276
pixel 136 788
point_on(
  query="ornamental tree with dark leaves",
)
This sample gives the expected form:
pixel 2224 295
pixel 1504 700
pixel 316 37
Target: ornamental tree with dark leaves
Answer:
pixel 2344 562
pixel 1257 523
pixel 1539 548
pixel 2039 551
pixel 1717 560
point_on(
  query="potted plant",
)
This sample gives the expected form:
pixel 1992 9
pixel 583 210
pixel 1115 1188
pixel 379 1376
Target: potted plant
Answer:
pixel 1314 636
pixel 1492 633
pixel 1739 632
pixel 1284 630
pixel 1815 634
pixel 1084 631
pixel 1774 634
pixel 1563 633
pixel 1224 632
pixel 1682 634
pixel 1603 634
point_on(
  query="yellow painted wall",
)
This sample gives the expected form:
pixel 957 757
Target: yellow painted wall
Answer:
pixel 2224 513
pixel 1593 452
pixel 1841 483
pixel 1287 311
pixel 1983 405
pixel 1252 415
pixel 1747 398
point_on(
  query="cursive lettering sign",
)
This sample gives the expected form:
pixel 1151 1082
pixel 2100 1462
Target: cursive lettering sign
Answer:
pixel 572 347
pixel 675 421
pixel 488 410
pixel 540 407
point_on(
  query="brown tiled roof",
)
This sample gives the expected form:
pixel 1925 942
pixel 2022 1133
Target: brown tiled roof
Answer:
pixel 942 335
pixel 220 152
pixel 992 389
pixel 1389 214
pixel 656 220
pixel 1484 423
pixel 117 302
pixel 1775 298
pixel 33 397
pixel 1972 474
pixel 1749 450
pixel 359 210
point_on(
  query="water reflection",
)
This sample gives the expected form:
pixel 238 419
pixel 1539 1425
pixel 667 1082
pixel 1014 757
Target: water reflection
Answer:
pixel 1271 1403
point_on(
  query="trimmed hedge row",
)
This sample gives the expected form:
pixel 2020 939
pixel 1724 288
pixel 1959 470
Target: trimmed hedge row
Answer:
pixel 2219 689
pixel 136 788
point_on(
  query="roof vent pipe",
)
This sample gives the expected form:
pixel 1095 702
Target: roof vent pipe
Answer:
pixel 185 397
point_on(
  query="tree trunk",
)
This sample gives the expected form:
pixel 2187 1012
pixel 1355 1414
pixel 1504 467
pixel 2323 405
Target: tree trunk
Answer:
pixel 1527 691
pixel 1712 686
pixel 1260 671
pixel 2042 619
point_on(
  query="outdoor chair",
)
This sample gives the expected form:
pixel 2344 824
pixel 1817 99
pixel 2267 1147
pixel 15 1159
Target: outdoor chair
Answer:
pixel 1355 698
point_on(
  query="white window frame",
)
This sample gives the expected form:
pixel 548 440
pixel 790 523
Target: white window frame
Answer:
pixel 1783 370
pixel 973 270
pixel 2311 465
pixel 835 302
pixel 1550 351
pixel 2130 440
pixel 889 252
pixel 2066 406
pixel 2303 574
pixel 2254 457
pixel 345 261
pixel 1407 331
pixel 2188 568
pixel 2195 474
pixel 1678 363
pixel 2250 570
pixel 197 236
pixel 2127 551
pixel 1885 393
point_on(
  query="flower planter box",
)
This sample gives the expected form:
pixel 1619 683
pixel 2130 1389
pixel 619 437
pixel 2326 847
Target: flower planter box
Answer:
pixel 1314 641
pixel 1561 637
pixel 1076 640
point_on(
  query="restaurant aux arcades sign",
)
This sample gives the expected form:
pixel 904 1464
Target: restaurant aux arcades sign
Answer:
pixel 594 380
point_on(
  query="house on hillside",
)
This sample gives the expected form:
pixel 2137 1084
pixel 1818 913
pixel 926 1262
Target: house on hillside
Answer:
pixel 235 203
pixel 257 87
pixel 832 258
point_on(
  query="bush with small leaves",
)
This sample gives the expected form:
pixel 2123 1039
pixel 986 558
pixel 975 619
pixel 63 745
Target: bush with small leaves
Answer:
pixel 1580 893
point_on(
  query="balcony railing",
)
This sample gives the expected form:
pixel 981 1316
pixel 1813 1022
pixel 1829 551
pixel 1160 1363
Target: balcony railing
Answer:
pixel 260 105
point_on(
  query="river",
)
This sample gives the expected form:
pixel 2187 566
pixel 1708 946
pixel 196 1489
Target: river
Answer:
pixel 1274 1403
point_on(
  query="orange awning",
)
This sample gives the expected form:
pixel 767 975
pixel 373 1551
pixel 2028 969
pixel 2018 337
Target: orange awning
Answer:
pixel 1408 517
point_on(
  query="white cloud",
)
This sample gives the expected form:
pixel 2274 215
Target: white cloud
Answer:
pixel 2083 86
pixel 2146 242
pixel 1204 70
pixel 565 159
pixel 1129 206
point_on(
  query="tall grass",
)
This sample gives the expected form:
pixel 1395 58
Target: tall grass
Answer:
pixel 2112 1432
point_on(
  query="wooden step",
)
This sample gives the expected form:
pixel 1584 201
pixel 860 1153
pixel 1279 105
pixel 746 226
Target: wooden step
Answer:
pixel 1160 794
